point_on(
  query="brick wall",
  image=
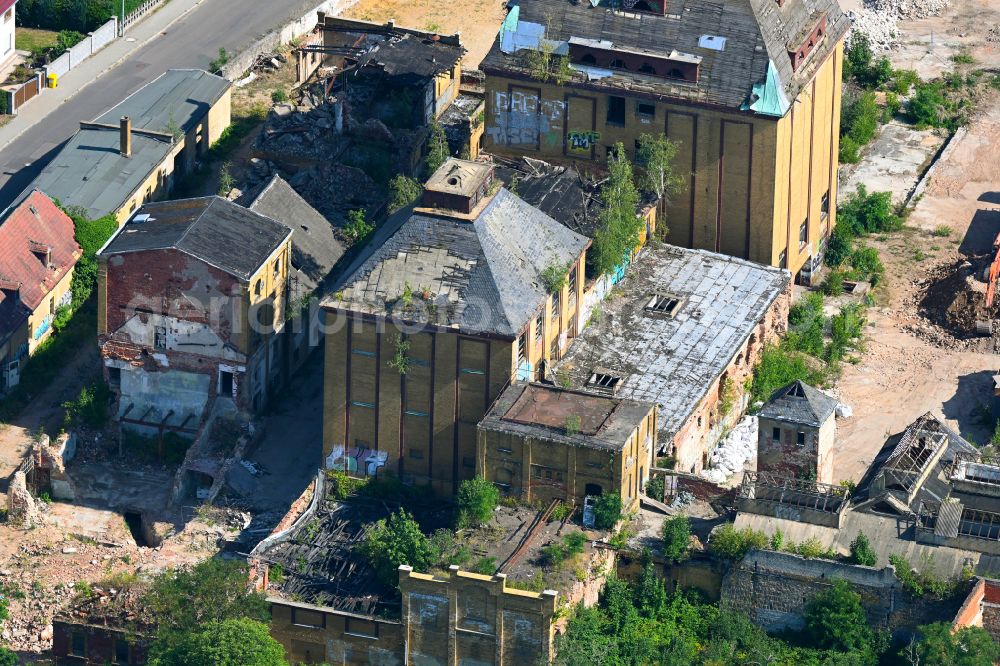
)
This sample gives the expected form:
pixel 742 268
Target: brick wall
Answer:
pixel 97 643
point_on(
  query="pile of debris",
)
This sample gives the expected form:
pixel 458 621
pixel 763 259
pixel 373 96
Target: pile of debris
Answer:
pixel 732 453
pixel 303 134
pixel 878 19
pixel 954 298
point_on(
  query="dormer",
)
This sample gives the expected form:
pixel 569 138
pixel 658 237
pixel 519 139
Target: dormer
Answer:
pixel 10 289
pixel 802 46
pixel 42 252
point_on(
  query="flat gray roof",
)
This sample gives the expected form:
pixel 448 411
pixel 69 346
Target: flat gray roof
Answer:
pixel 180 97
pixel 673 360
pixel 90 173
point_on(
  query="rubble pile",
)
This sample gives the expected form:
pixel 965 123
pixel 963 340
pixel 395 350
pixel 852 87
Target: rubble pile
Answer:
pixel 878 19
pixel 335 189
pixel 303 133
pixel 739 446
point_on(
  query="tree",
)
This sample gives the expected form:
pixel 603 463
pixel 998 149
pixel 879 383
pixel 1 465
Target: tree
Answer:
pixel 618 225
pixel 969 646
pixel 607 511
pixel 394 541
pixel 477 498
pixel 358 228
pixel 835 620
pixel 404 191
pixel 8 657
pixel 91 235
pixel 656 155
pixel 234 642
pixel 650 594
pixel 676 534
pixel 183 600
pixel 437 148
pixel 862 551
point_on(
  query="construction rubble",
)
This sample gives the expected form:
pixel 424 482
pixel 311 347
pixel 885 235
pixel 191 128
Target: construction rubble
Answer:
pixel 878 19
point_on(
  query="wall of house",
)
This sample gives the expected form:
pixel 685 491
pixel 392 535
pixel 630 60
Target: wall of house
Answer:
pixel 14 348
pixel 7 35
pixel 735 165
pixel 550 331
pixel 157 185
pixel 40 321
pixel 699 434
pixel 423 421
pixel 542 470
pixel 314 635
pixel 467 618
pixel 446 89
pixel 98 644
pixel 808 143
pixel 773 589
pixel 787 458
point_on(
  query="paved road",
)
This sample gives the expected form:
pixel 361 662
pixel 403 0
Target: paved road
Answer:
pixel 193 41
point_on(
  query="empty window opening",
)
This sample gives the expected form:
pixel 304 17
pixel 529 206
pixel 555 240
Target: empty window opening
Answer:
pixel 225 383
pixel 603 381
pixel 616 110
pixel 588 59
pixel 776 435
pixel 645 109
pixel 646 68
pixel 666 304
pixel 800 439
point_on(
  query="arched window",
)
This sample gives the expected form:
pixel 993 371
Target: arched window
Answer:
pixel 675 74
pixel 618 63
pixel 646 68
pixel 588 59
pixel 256 288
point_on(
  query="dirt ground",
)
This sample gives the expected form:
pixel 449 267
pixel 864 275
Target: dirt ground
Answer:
pixel 913 364
pixel 477 20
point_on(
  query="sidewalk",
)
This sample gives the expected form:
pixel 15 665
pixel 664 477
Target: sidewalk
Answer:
pixel 136 37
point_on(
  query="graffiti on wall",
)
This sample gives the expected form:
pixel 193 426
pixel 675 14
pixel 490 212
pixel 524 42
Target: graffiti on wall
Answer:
pixel 582 140
pixel 520 119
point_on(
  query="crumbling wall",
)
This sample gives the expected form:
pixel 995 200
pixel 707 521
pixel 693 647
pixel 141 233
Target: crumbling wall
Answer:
pixel 21 509
pixel 773 589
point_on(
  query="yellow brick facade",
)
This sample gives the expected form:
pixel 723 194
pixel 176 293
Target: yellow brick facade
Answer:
pixel 740 170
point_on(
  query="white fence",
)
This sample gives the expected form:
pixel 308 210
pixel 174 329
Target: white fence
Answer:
pixel 270 42
pixel 90 45
pixel 139 12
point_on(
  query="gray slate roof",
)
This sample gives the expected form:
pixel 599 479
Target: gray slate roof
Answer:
pixel 484 276
pixel 799 403
pixel 756 32
pixel 315 248
pixel 219 232
pixel 673 361
pixel 89 172
pixel 178 97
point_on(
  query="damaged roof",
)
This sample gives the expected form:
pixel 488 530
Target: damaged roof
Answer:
pixel 399 52
pixel 177 99
pixel 37 249
pixel 799 403
pixel 481 276
pixel 558 191
pixel 673 358
pixel 315 248
pixel 749 68
pixel 219 232
pixel 540 411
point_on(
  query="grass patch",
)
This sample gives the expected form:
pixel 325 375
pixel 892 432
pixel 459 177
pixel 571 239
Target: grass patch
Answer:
pixel 35 39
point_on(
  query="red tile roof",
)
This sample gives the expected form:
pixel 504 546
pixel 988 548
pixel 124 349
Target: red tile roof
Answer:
pixel 36 224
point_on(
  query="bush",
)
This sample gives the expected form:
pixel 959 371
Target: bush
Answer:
pixel 780 365
pixel 903 80
pixel 357 228
pixel 404 191
pixel 892 106
pixel 865 213
pixel 90 407
pixel 862 551
pixel 845 328
pixel 569 547
pixel 236 641
pixel 807 323
pixel 849 151
pixel 857 56
pixel 486 566
pixel 920 584
pixel 477 498
pixel 676 533
pixel 279 96
pixel 730 543
pixel 81 16
pixel 867 264
pixel 927 106
pixel 835 620
pixel 607 511
pixel 394 541
pixel 860 118
pixel 655 488
pixel 838 250
pixel 437 148
pixel 834 283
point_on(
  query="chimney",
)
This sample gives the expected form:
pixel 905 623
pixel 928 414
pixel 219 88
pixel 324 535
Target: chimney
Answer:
pixel 126 136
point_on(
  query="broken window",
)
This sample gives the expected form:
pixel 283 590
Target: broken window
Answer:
pixel 588 59
pixel 256 288
pixel 160 337
pixel 665 304
pixel 308 618
pixel 618 63
pixel 603 381
pixel 783 259
pixel 539 322
pixel 800 439
pixel 522 348
pixel 616 110
pixel 645 109
pixel 776 435
pixel 803 233
pixel 556 303
pixel 115 377
pixel 824 204
pixel 646 68
pixel 359 627
pixel 572 286
pixel 225 382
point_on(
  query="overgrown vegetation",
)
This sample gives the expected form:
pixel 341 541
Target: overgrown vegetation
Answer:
pixel 80 15
pixel 655 158
pixel 676 533
pixel 394 541
pixel 922 583
pixel 557 553
pixel 437 148
pixel 607 511
pixel 730 543
pixel 358 228
pixel 477 499
pixel 545 66
pixel 90 407
pixel 403 191
pixel 619 228
pixel 862 552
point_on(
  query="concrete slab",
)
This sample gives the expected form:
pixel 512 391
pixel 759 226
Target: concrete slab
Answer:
pixel 109 486
pixel 894 163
